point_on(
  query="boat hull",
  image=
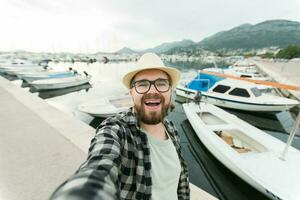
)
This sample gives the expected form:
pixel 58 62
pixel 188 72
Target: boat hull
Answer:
pixel 52 86
pixel 106 107
pixel 229 103
pixel 31 78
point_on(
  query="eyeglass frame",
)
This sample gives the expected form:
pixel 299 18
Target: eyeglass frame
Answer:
pixel 151 83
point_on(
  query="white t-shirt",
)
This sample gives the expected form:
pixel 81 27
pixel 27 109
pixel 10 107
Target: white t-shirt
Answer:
pixel 165 168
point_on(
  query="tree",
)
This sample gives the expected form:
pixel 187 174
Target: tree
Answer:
pixel 268 55
pixel 290 52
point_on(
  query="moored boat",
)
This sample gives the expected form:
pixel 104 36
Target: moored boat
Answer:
pixel 106 106
pixel 236 94
pixel 46 75
pixel 58 83
pixel 250 153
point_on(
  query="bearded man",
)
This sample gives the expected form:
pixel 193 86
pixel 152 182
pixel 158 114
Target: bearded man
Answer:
pixel 135 154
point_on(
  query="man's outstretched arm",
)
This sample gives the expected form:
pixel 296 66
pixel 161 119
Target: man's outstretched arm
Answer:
pixel 97 176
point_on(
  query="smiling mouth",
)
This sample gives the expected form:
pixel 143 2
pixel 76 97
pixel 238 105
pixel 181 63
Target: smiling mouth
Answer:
pixel 152 103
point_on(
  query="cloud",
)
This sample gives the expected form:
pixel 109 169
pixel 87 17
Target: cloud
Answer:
pixel 98 25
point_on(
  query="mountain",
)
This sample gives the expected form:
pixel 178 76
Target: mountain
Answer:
pixel 167 46
pixel 268 33
pixel 126 50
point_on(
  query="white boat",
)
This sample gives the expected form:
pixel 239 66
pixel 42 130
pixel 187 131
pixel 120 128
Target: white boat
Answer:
pixel 58 83
pixel 23 70
pixel 106 106
pixel 47 71
pixel 45 94
pixel 243 72
pixel 244 63
pixel 16 63
pixel 239 95
pixel 250 153
pixel 29 77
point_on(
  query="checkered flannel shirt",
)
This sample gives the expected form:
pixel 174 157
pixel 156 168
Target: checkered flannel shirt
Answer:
pixel 118 164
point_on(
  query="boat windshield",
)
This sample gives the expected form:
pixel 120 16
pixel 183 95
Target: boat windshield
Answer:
pixel 269 91
pixel 256 92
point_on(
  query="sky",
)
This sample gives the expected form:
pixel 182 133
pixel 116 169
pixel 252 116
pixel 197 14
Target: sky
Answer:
pixel 89 26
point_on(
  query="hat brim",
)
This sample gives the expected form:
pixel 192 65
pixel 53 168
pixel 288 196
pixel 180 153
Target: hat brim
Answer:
pixel 172 72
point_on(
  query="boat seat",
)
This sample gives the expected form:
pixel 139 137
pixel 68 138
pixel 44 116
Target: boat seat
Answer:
pixel 234 143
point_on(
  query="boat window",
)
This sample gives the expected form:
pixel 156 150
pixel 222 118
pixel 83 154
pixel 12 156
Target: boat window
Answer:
pixel 239 92
pixel 246 76
pixel 267 90
pixel 256 92
pixel 221 88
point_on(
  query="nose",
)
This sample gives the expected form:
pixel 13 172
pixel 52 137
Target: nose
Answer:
pixel 152 89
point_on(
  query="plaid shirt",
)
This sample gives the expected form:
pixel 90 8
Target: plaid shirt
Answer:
pixel 118 164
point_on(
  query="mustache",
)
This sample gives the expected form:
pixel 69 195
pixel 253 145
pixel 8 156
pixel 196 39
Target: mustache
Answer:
pixel 157 96
pixel 152 96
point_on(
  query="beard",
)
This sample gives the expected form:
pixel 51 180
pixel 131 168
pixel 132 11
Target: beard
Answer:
pixel 152 117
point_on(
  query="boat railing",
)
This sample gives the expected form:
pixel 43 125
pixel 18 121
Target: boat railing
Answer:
pixel 291 137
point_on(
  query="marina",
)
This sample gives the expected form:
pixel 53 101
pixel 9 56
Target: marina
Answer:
pixel 58 115
pixel 150 100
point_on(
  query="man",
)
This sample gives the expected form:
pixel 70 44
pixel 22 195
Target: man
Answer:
pixel 136 154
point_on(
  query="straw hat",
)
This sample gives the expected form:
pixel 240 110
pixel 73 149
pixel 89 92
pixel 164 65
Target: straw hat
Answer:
pixel 151 61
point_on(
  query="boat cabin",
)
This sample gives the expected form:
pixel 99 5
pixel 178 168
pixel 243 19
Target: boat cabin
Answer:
pixel 236 88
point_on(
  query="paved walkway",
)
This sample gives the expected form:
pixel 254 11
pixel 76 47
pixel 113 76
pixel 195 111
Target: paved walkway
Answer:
pixel 282 72
pixel 40 146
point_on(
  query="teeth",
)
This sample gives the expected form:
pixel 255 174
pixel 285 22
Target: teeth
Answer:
pixel 152 103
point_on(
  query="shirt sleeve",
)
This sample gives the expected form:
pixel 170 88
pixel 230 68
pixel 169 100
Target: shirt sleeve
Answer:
pixel 97 177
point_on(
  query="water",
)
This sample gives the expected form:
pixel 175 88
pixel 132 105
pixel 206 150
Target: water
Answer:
pixel 205 171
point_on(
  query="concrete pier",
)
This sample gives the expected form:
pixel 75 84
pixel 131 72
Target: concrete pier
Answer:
pixel 282 72
pixel 40 146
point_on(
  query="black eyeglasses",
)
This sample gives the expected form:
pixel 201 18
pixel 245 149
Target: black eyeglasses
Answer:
pixel 143 86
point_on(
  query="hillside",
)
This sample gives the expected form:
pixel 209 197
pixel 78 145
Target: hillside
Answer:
pixel 167 46
pixel 269 33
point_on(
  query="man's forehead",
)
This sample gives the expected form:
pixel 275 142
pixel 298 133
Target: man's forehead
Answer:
pixel 151 73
